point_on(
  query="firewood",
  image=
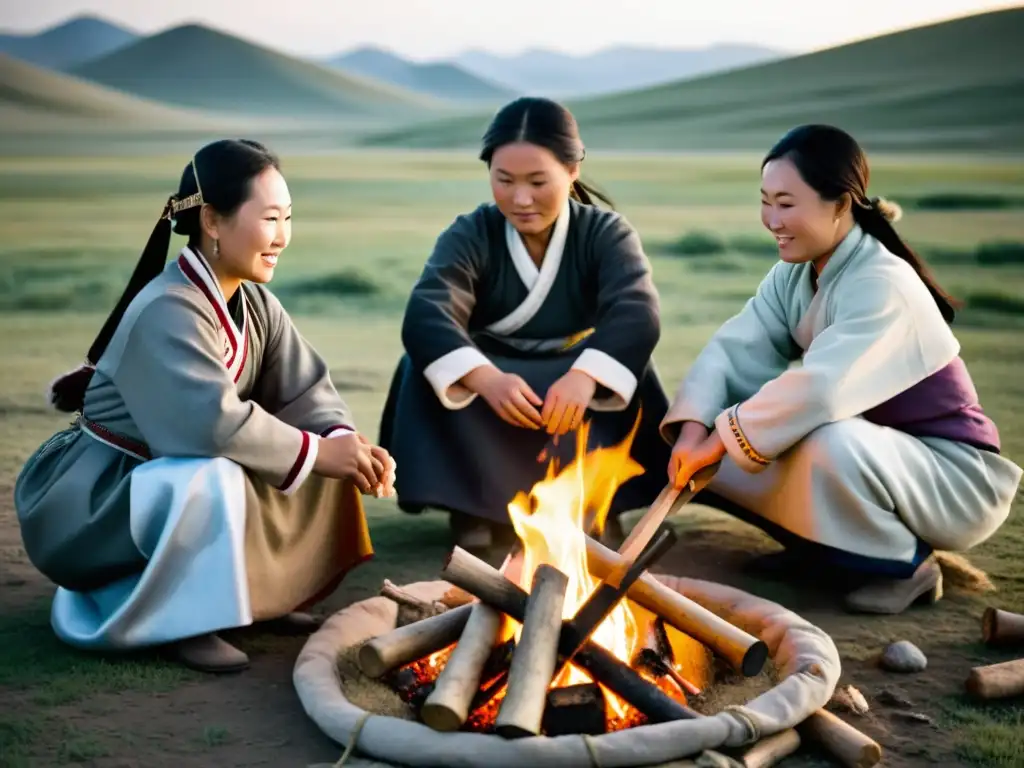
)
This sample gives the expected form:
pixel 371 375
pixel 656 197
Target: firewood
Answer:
pixel 533 662
pixel 575 709
pixel 490 586
pixel 744 652
pixel 412 642
pixel 848 745
pixel 769 751
pixel 410 608
pixel 997 681
pixel 448 705
pixel 654 656
pixel 1002 627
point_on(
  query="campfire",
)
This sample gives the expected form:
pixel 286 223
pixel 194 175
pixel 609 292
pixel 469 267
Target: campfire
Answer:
pixel 567 636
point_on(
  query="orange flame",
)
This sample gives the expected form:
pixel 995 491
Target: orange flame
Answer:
pixel 552 521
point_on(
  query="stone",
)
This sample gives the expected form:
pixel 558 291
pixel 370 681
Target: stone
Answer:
pixel 850 699
pixel 914 717
pixel 903 656
pixel 893 698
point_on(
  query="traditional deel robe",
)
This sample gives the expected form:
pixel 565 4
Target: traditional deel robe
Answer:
pixel 849 419
pixel 481 299
pixel 181 502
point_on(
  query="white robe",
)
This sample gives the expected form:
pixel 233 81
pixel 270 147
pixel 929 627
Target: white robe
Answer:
pixel 798 454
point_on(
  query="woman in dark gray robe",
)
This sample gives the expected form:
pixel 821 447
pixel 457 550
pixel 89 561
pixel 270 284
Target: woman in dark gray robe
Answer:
pixel 531 313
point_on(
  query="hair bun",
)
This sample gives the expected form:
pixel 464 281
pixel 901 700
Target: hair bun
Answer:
pixel 890 211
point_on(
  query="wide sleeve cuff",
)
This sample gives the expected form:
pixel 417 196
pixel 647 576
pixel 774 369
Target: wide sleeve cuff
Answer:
pixel 611 374
pixel 736 443
pixel 303 464
pixel 336 430
pixel 444 373
pixel 679 413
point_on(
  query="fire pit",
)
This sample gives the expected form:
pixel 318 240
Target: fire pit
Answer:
pixel 561 657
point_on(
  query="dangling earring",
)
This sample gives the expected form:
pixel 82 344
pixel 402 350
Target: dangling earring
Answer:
pixel 216 248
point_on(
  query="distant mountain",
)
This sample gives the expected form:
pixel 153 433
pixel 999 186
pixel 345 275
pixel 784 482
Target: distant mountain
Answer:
pixel 69 44
pixel 546 73
pixel 198 67
pixel 956 85
pixel 441 79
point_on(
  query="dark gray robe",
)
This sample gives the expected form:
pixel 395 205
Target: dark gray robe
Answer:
pixel 591 305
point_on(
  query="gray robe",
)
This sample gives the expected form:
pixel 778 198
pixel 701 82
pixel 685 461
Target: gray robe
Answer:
pixel 194 451
pixel 592 305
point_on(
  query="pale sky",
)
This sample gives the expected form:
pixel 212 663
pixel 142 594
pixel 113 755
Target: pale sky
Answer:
pixel 427 29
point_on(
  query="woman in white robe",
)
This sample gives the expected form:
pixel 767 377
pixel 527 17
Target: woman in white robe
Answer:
pixel 212 476
pixel 836 405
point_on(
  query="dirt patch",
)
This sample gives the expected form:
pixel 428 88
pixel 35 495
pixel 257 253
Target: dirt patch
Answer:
pixel 255 718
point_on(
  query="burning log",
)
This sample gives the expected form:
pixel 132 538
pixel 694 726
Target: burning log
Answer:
pixel 490 586
pixel 411 642
pixel 997 681
pixel 575 709
pixel 1002 627
pixel 655 657
pixel 533 662
pixel 768 752
pixel 742 650
pixel 844 742
pixel 448 705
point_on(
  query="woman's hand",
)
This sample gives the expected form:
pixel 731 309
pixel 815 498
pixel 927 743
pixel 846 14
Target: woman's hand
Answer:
pixel 350 457
pixel 695 449
pixel 508 395
pixel 566 402
pixel 384 489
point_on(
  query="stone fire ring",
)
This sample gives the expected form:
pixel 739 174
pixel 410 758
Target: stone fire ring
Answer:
pixel 804 656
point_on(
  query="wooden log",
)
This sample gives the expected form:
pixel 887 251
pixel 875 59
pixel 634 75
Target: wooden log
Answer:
pixel 744 652
pixel 848 745
pixel 769 751
pixel 1002 627
pixel 654 656
pixel 997 681
pixel 448 705
pixel 575 709
pixel 412 642
pixel 491 587
pixel 533 661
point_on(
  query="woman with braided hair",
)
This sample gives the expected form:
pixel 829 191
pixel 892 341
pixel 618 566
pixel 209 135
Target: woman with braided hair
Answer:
pixel 212 477
pixel 873 452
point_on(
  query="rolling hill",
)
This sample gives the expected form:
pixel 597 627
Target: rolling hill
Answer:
pixel 68 44
pixel 45 97
pixel 957 84
pixel 198 67
pixel 440 79
pixel 548 73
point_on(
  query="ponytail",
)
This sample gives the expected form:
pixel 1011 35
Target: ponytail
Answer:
pixel 586 194
pixel 875 217
pixel 67 392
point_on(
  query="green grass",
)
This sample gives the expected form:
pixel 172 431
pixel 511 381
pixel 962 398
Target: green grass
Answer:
pixel 364 224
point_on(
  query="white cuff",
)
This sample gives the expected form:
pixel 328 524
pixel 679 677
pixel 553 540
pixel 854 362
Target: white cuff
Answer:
pixel 337 431
pixel 444 373
pixel 609 372
pixel 736 444
pixel 303 463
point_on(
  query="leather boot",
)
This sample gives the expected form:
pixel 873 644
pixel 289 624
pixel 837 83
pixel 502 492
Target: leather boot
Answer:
pixel 209 653
pixel 892 596
pixel 295 623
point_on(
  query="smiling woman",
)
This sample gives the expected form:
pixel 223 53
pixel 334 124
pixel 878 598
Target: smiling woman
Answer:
pixel 872 453
pixel 532 313
pixel 212 477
